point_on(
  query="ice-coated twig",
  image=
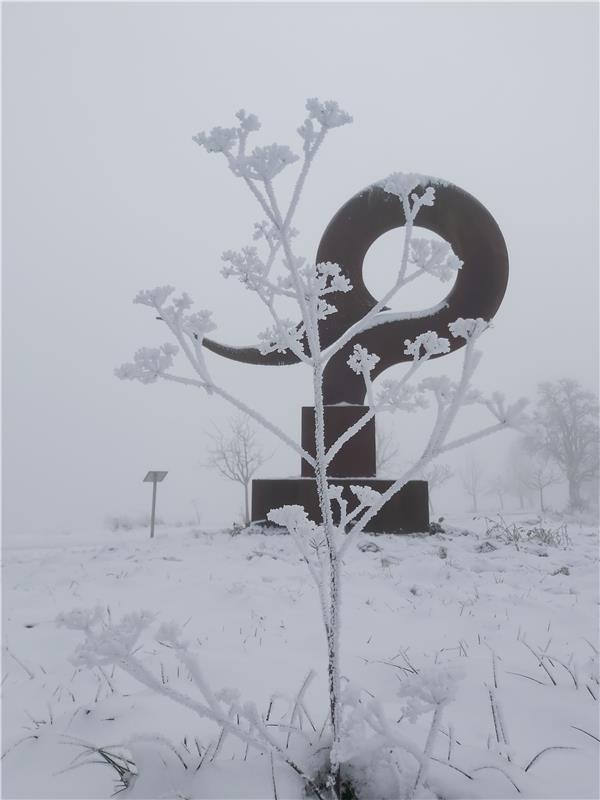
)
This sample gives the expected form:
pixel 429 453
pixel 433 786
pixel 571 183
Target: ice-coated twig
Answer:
pixel 298 701
pixel 303 531
pixel 348 434
pixel 410 214
pixel 374 715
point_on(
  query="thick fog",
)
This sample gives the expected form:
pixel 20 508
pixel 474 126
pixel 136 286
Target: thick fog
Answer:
pixel 104 193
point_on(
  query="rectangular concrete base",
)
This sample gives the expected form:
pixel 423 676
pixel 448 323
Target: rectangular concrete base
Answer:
pixel 406 512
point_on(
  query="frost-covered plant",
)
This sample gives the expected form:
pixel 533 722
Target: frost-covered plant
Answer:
pixel 117 642
pixel 519 535
pixel 275 272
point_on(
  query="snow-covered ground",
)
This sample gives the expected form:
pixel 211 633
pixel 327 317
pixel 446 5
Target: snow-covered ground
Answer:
pixel 250 610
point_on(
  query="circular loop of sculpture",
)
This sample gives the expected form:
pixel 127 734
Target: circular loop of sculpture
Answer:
pixel 457 217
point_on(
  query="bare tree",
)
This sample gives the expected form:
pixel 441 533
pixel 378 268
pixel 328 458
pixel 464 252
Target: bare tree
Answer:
pixel 518 472
pixel 436 475
pixel 565 429
pixel 472 480
pixel 237 455
pixel 498 486
pixel 542 473
pixel 387 450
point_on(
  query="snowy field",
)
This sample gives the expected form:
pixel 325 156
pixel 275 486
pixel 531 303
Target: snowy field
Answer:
pixel 519 617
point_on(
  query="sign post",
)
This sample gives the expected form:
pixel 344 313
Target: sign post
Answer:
pixel 153 477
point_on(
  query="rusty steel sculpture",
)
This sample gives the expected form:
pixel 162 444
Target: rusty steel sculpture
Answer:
pixel 480 285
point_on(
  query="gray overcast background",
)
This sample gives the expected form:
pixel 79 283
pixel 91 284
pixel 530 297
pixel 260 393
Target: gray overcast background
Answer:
pixel 105 193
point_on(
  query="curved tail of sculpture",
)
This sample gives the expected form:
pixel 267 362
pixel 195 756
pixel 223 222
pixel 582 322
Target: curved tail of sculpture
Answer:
pixel 456 216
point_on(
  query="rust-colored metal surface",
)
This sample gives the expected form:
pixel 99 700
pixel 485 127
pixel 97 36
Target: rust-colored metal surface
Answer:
pixel 356 458
pixel 457 217
pixel 480 285
pixel 406 512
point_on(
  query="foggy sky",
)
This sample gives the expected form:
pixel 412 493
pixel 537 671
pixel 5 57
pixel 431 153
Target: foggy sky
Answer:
pixel 104 193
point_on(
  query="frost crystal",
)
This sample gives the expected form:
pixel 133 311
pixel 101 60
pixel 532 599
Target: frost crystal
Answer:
pixel 324 278
pixel 114 642
pixel 154 297
pixel 431 687
pixel 199 324
pixel 248 122
pixel 365 495
pixel 431 343
pixel 361 360
pixel 334 492
pixel 246 266
pixel 396 396
pixel 183 303
pixel 340 283
pixel 148 364
pixel 435 258
pixel 468 328
pixel 279 338
pixel 402 184
pixel 328 113
pixel 265 162
pixel 290 517
pixel 324 309
pixel 219 140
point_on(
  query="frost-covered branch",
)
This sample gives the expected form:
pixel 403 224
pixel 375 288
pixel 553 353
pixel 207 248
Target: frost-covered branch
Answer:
pixel 430 690
pixel 449 399
pixel 150 364
pixel 108 643
pixel 348 434
pixel 366 497
pixel 265 163
pixel 310 285
pixel 394 395
pixel 366 723
pixel 430 257
pixel 307 537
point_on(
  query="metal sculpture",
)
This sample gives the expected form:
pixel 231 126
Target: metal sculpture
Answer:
pixel 480 285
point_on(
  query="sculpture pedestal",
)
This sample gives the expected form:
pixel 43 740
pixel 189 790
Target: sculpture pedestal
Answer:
pixel 406 512
pixel 354 464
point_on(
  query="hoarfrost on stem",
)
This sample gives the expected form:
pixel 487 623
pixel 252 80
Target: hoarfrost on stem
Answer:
pixel 274 271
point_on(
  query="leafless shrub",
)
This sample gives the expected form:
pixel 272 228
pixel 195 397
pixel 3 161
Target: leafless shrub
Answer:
pixel 518 535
